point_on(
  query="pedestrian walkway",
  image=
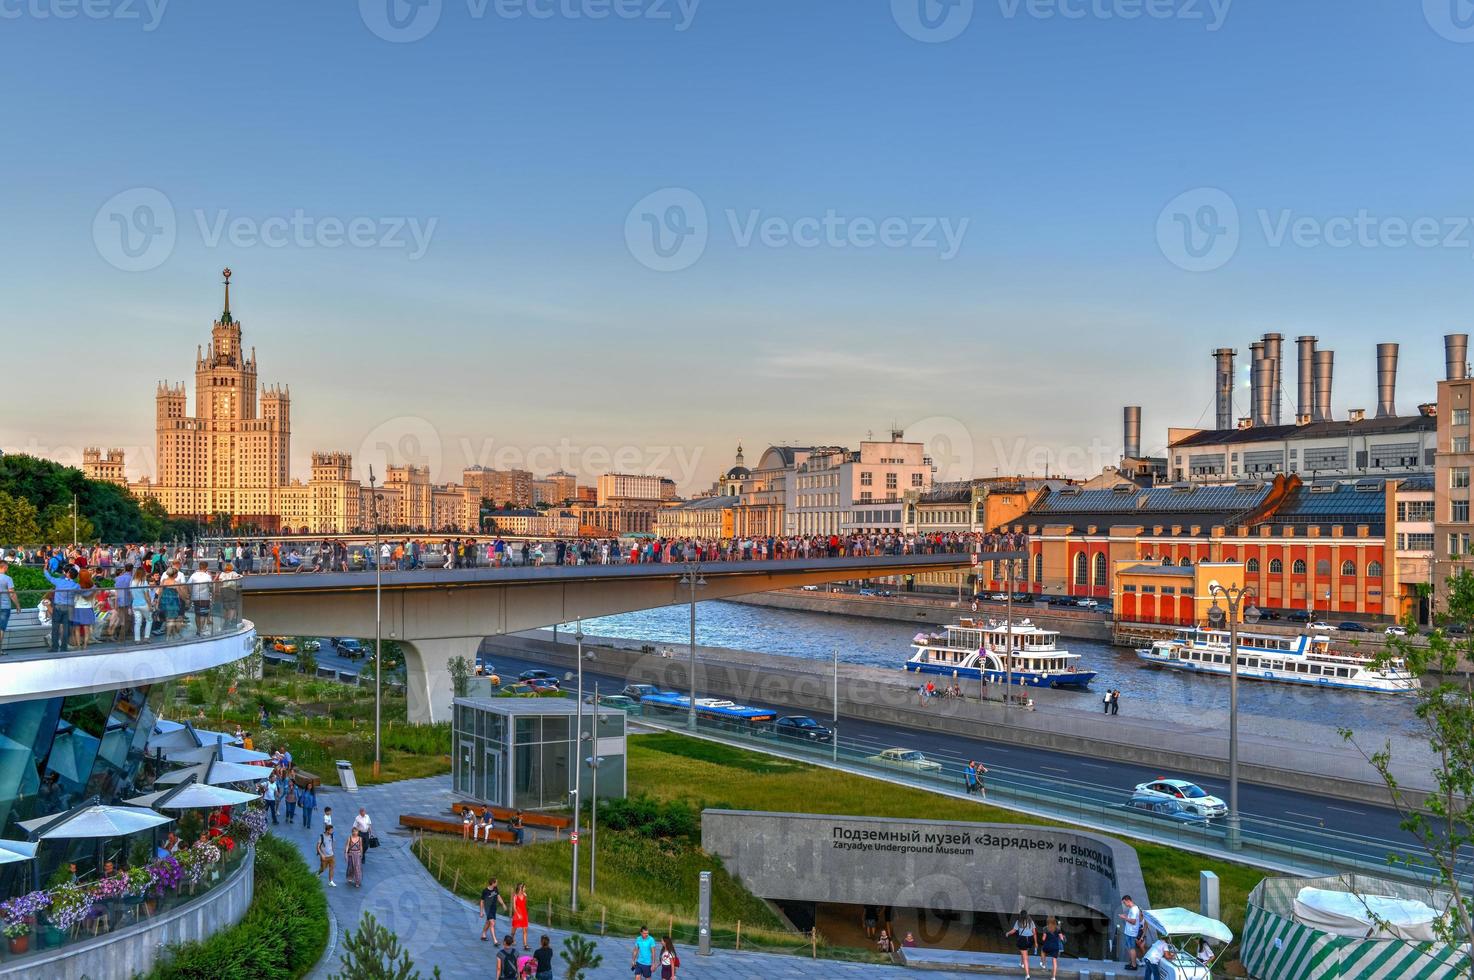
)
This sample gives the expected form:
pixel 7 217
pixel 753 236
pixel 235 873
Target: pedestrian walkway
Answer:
pixel 441 929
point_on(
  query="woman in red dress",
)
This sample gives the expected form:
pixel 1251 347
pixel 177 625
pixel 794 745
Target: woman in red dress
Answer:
pixel 519 913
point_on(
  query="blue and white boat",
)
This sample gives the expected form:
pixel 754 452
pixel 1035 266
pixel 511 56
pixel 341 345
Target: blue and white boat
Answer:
pixel 972 649
pixel 1304 659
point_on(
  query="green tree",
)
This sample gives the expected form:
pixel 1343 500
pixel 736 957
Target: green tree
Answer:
pixel 1444 823
pixel 18 520
pixel 579 955
pixel 57 526
pixel 372 952
pixel 460 675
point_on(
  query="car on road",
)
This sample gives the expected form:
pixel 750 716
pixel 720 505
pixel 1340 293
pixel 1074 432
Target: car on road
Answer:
pixel 803 728
pixel 1189 794
pixel 1351 627
pixel 618 701
pixel 1086 603
pixel 999 597
pixel 811 588
pixel 542 683
pixel 905 759
pixel 1319 625
pixel 637 692
pixel 1023 597
pixel 1297 616
pixel 866 592
pixel 284 644
pixel 1167 810
pixel 535 674
pixel 347 646
pixel 1395 631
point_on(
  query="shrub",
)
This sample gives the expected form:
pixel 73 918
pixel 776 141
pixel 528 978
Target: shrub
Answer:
pixel 649 817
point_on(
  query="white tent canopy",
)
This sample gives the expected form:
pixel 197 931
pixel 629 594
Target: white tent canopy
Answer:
pixel 204 753
pixel 216 773
pixel 176 735
pixel 195 796
pixel 12 851
pixel 98 821
pixel 1181 923
pixel 1343 913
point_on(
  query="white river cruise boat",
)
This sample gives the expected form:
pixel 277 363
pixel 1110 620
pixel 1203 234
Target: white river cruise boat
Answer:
pixel 1304 659
pixel 972 649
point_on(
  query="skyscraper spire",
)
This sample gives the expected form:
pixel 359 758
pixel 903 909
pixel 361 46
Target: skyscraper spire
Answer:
pixel 225 317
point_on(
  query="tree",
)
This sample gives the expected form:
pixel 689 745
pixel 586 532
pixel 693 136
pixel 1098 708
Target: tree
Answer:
pixel 372 952
pixel 1443 825
pixel 460 675
pixel 579 954
pixel 57 526
pixel 18 520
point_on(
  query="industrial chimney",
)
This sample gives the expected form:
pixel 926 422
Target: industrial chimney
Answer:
pixel 1325 369
pixel 1258 372
pixel 1133 432
pixel 1274 347
pixel 1305 390
pixel 1386 380
pixel 1223 357
pixel 1455 357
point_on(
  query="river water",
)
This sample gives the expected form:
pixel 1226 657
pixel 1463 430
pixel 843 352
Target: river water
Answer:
pixel 1264 708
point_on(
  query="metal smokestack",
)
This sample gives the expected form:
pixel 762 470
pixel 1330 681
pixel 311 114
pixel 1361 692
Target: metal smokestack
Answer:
pixel 1456 356
pixel 1386 380
pixel 1274 346
pixel 1133 431
pixel 1305 390
pixel 1325 369
pixel 1258 378
pixel 1223 357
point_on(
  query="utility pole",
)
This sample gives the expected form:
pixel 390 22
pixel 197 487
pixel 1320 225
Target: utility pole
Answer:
pixel 577 759
pixel 378 629
pixel 695 580
pixel 1234 597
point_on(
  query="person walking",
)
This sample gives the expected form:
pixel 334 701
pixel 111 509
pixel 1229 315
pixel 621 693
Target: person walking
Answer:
pixel 1105 702
pixel 270 793
pixel 977 770
pixel 669 961
pixel 9 601
pixel 308 799
pixel 291 799
pixel 1115 702
pixel 543 957
pixel 491 897
pixel 519 913
pixel 642 957
pixel 1052 946
pixel 1023 933
pixel 506 961
pixel 354 854
pixel 327 855
pixel 365 827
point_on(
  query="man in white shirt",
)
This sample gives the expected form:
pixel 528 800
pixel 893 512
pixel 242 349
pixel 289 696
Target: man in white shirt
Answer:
pixel 201 588
pixel 365 827
pixel 1130 929
pixel 230 594
pixel 1158 961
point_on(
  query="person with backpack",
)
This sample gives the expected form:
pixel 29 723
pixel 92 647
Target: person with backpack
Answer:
pixel 669 961
pixel 327 855
pixel 506 961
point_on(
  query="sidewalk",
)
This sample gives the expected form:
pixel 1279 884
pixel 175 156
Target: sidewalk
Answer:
pixel 440 929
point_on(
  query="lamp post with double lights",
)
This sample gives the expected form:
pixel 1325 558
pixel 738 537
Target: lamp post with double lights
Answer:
pixel 1234 596
pixel 378 626
pixel 694 580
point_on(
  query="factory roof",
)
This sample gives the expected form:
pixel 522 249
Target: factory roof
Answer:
pixel 1335 429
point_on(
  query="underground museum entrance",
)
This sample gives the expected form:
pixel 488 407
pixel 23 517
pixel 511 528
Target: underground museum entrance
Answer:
pixel 952 885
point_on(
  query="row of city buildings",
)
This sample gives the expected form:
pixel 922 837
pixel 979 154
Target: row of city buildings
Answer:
pixel 1355 515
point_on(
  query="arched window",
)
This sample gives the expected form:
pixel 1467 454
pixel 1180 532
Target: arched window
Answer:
pixel 1082 570
pixel 1323 568
pixel 1374 569
pixel 1038 568
pixel 1186 562
pixel 1230 556
pixel 1253 566
pixel 1276 567
pixel 1167 562
pixel 1100 570
pixel 1299 567
pixel 1348 568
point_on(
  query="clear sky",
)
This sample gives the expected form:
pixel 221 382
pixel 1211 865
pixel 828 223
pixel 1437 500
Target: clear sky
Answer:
pixel 684 224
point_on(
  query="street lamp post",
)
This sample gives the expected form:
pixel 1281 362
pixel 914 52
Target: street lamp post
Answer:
pixel 695 580
pixel 594 792
pixel 1234 596
pixel 1008 652
pixel 577 759
pixel 834 721
pixel 378 628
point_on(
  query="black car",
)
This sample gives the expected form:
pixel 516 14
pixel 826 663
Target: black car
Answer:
pixel 536 674
pixel 1297 616
pixel 802 727
pixel 638 691
pixel 1349 627
pixel 349 647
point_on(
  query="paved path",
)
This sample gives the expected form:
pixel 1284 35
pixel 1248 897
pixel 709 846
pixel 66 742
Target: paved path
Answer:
pixel 440 929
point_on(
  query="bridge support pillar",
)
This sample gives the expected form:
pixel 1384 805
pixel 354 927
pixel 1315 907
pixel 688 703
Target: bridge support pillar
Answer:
pixel 427 687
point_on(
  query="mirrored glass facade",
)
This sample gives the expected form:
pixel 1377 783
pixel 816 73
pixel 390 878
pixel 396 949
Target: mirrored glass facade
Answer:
pixel 516 752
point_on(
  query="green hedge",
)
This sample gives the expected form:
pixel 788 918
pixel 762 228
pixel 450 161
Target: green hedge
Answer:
pixel 282 936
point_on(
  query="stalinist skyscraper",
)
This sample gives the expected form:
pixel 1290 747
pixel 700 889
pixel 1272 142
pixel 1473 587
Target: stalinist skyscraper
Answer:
pixel 232 456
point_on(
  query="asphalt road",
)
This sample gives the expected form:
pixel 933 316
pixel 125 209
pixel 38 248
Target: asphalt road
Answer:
pixel 1296 818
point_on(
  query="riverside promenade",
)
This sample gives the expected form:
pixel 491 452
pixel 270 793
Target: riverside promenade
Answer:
pixel 440 929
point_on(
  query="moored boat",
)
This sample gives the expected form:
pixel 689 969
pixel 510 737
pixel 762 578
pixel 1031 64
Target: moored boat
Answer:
pixel 1304 659
pixel 1024 655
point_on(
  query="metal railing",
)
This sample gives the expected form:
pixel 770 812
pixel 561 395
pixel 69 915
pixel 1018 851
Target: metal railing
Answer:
pixel 161 611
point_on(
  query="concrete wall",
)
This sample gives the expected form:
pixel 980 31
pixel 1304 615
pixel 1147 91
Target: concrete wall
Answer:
pixel 133 951
pixel 924 864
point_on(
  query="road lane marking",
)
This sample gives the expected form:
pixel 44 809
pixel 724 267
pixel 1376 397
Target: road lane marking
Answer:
pixel 1292 813
pixel 1096 765
pixel 1342 809
pixel 1053 769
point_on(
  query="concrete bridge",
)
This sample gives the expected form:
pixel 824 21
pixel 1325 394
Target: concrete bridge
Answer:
pixel 439 615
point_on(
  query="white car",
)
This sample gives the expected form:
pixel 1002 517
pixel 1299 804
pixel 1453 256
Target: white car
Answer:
pixel 1192 796
pixel 1320 625
pixel 1396 631
pixel 1086 603
pixel 905 759
pixel 811 588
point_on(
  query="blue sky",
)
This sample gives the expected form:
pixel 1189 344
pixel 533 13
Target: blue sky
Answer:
pixel 1051 146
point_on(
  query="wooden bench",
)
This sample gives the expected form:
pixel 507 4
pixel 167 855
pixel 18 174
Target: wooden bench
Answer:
pixel 447 825
pixel 544 820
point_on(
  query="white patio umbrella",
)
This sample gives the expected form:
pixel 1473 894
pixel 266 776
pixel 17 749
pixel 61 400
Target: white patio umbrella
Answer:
pixel 216 773
pixel 12 851
pixel 98 820
pixel 195 796
pixel 206 753
pixel 184 737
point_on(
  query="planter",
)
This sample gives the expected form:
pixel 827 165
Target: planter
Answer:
pixel 151 905
pixel 20 944
pixel 52 937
